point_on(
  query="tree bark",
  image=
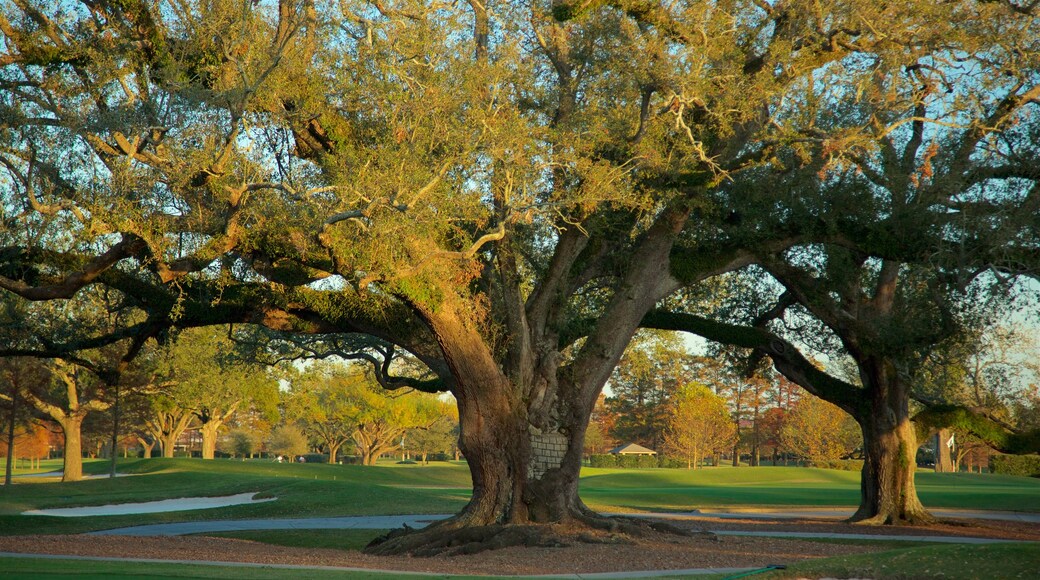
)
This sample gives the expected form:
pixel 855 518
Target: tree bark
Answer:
pixel 888 494
pixel 146 447
pixel 8 470
pixel 167 442
pixel 73 463
pixel 943 461
pixel 209 432
pixel 115 433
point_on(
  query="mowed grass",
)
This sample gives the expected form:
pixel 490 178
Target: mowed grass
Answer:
pixel 962 562
pixel 303 490
pixel 751 487
pixel 316 490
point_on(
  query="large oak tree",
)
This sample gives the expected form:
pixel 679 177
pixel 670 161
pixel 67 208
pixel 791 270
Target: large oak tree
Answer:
pixel 462 183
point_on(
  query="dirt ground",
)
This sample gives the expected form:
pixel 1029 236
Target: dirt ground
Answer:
pixel 655 552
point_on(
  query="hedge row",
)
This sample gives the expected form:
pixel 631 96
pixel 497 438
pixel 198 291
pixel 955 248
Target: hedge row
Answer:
pixel 840 464
pixel 634 461
pixel 1028 465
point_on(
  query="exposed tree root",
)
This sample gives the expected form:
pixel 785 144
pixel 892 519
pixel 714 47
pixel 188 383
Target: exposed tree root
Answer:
pixel 435 541
pixel 919 518
pixel 586 527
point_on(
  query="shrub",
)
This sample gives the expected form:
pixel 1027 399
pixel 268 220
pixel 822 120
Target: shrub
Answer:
pixel 316 458
pixel 670 462
pixel 646 461
pixel 628 461
pixel 1027 465
pixel 624 461
pixel 840 464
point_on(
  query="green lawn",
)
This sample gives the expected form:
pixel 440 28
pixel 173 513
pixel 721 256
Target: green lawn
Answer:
pixel 965 562
pixel 21 467
pixel 313 490
pixel 302 490
pixel 684 490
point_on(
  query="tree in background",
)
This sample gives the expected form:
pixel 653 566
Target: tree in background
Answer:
pixel 242 443
pixel 771 426
pixel 699 424
pixel 321 400
pixel 67 396
pixel 15 374
pixel 438 436
pixel 288 441
pixel 384 418
pixel 819 431
pixel 209 380
pixel 651 370
pixel 32 442
pixel 166 421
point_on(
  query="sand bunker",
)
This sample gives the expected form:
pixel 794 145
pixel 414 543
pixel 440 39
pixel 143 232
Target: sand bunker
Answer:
pixel 148 507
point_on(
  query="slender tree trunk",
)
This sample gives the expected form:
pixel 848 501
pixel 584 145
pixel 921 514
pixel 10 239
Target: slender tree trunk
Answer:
pixel 9 469
pixel 115 433
pixel 333 451
pixel 888 494
pixel 73 462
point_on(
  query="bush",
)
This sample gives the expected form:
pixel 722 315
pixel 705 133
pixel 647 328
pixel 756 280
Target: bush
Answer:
pixel 839 464
pixel 316 458
pixel 1026 465
pixel 646 461
pixel 628 461
pixel 670 462
pixel 623 461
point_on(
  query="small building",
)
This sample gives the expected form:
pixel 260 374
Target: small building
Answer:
pixel 632 449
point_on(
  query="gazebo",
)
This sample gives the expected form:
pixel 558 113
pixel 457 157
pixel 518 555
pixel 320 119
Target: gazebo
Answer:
pixel 632 449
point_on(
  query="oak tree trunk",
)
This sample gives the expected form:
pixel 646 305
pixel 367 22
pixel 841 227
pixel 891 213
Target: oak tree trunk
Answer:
pixel 73 462
pixel 146 447
pixel 888 495
pixel 168 442
pixel 943 461
pixel 209 432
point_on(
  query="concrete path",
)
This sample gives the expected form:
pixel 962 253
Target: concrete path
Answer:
pixel 591 576
pixel 418 521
